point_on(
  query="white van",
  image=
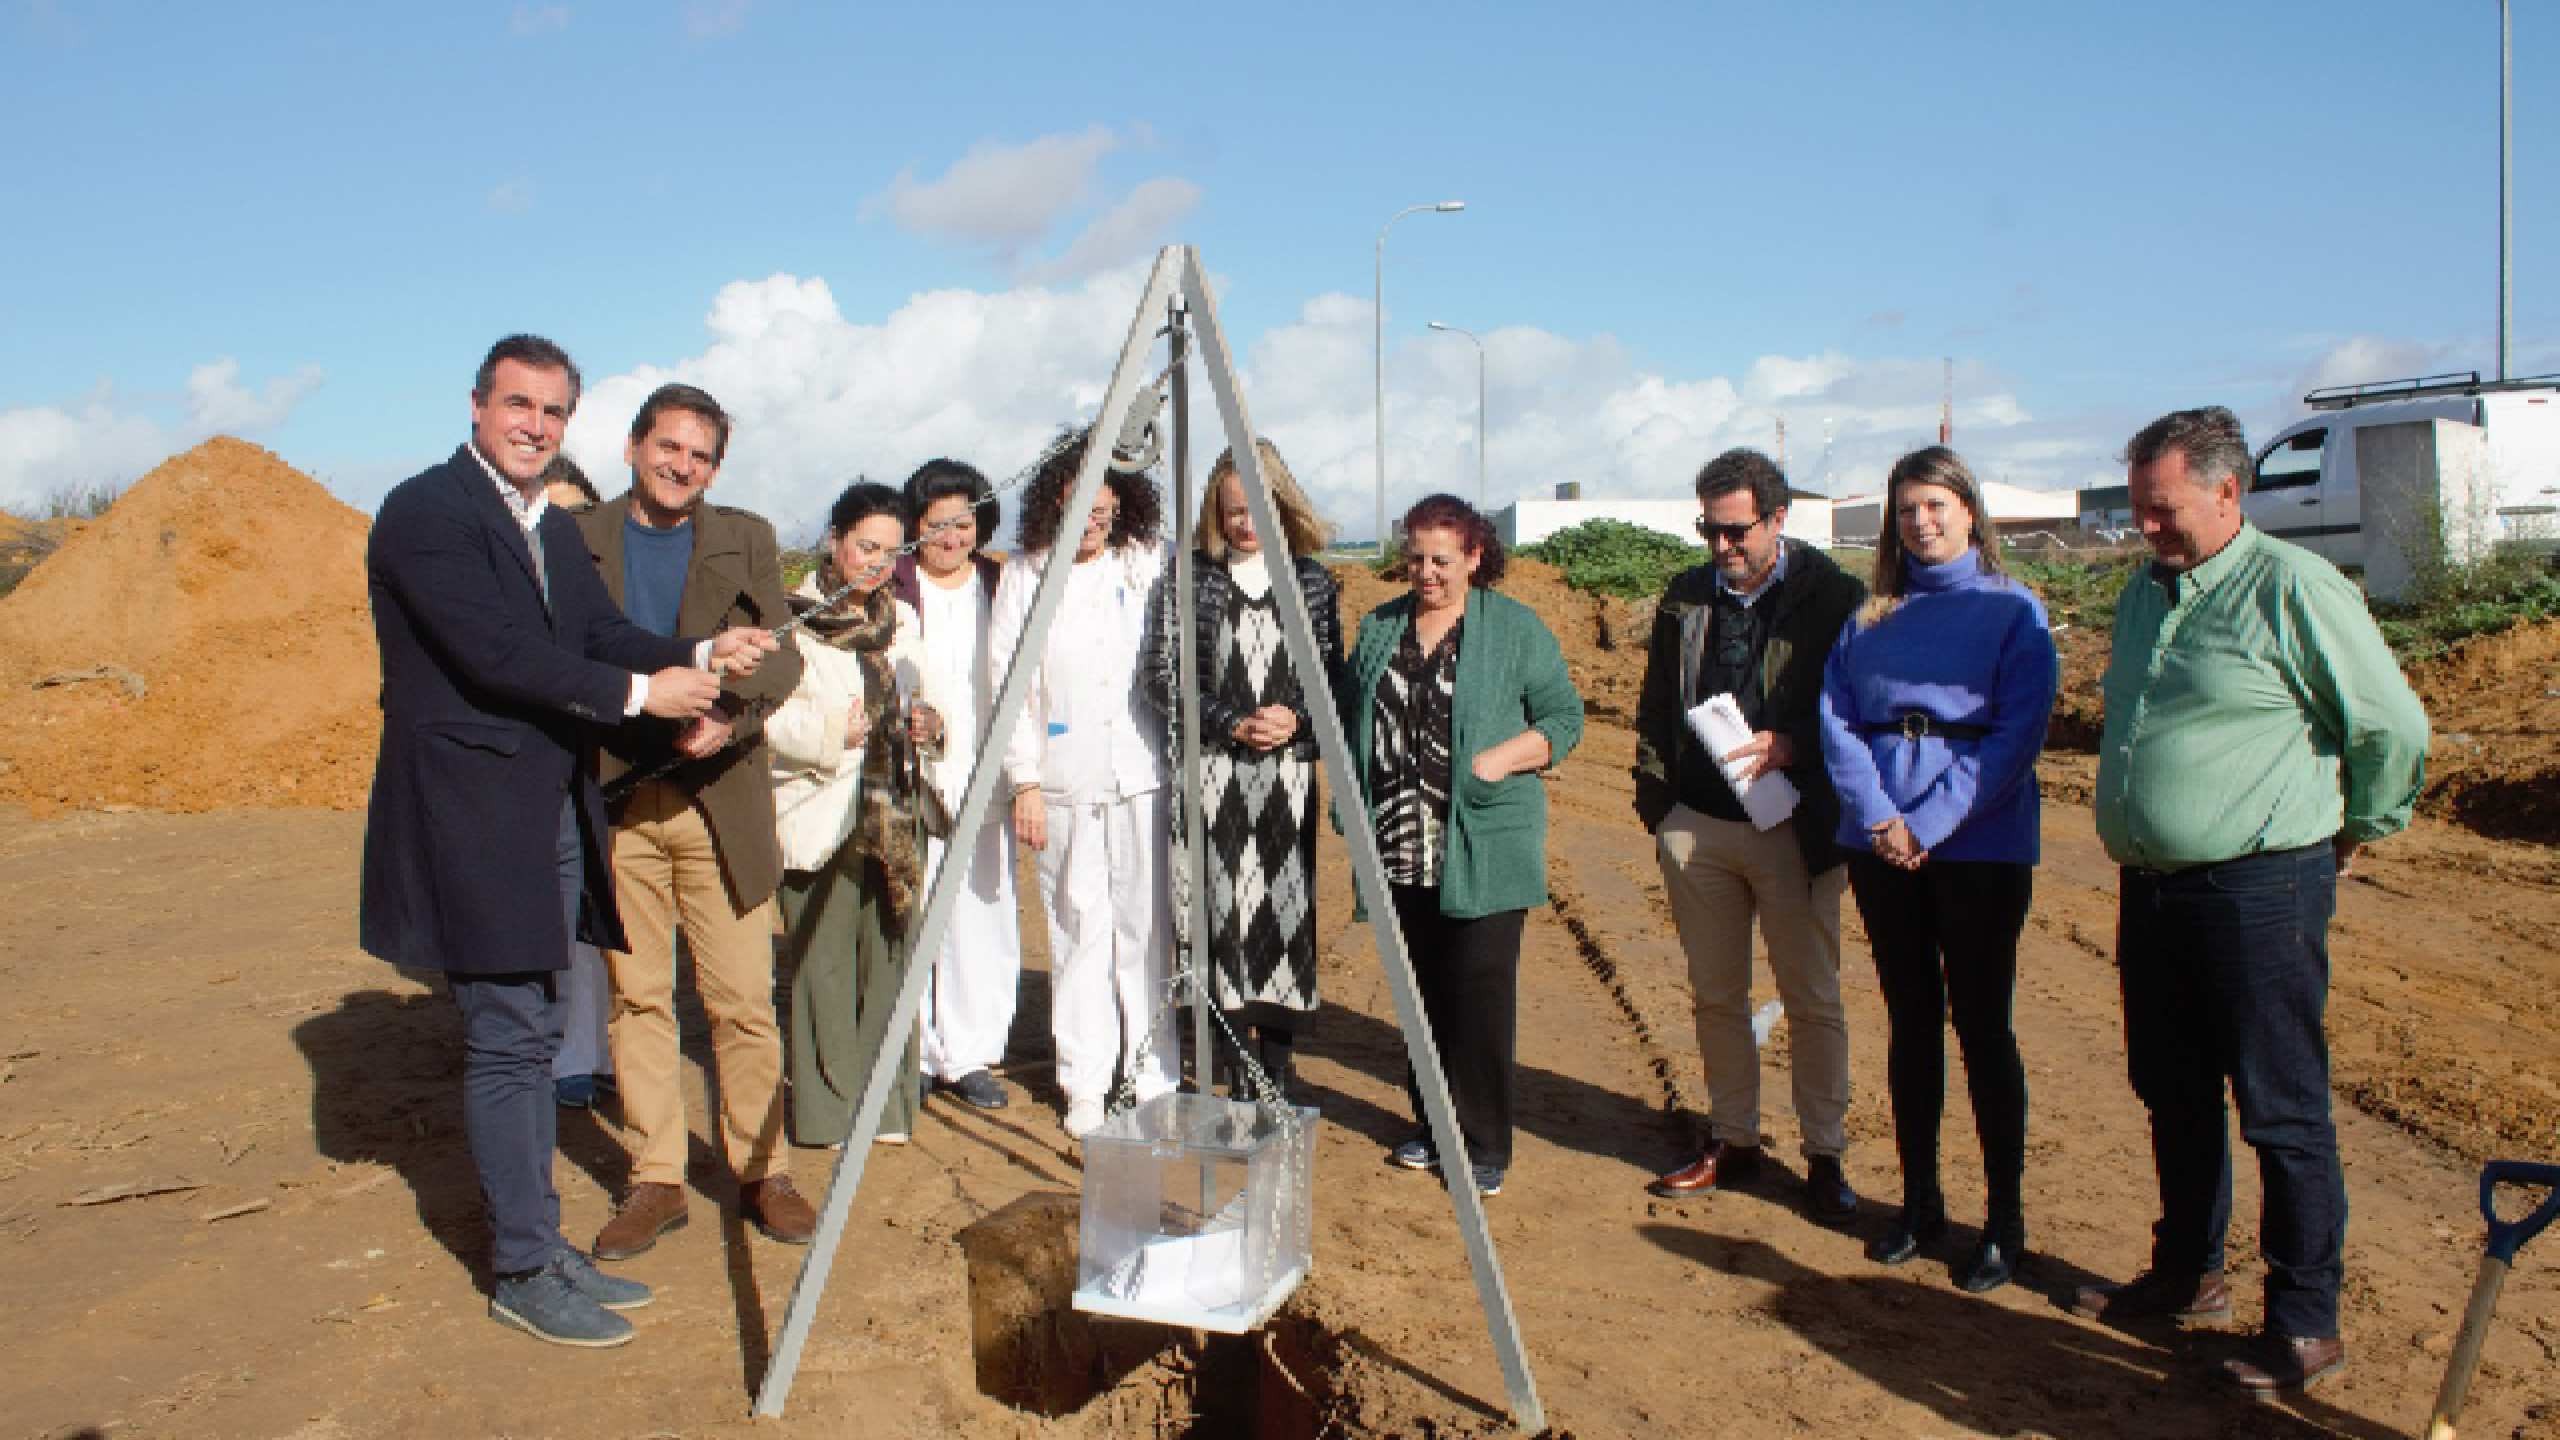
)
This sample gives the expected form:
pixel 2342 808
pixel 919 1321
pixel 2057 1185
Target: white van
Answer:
pixel 2310 486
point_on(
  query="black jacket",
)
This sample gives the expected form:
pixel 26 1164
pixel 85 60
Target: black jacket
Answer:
pixel 1213 595
pixel 490 702
pixel 1814 601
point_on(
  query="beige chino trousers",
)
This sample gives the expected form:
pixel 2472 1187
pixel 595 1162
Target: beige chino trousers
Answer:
pixel 1720 874
pixel 666 874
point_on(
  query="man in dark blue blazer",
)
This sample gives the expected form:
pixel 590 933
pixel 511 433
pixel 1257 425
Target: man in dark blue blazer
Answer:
pixel 485 842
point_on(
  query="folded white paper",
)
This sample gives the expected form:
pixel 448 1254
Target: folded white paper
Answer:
pixel 1719 726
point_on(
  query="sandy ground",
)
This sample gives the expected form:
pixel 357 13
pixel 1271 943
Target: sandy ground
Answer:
pixel 187 1009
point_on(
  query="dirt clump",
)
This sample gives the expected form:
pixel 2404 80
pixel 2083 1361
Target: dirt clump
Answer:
pixel 233 585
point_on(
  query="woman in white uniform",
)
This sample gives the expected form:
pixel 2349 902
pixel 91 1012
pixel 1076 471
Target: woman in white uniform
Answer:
pixel 951 585
pixel 1086 766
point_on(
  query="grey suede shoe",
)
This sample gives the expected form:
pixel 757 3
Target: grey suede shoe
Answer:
pixel 547 1305
pixel 610 1291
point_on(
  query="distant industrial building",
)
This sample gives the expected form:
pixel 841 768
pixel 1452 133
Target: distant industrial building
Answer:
pixel 2106 507
pixel 2015 512
pixel 1526 522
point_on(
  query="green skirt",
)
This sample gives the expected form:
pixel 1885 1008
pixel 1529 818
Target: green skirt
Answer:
pixel 843 959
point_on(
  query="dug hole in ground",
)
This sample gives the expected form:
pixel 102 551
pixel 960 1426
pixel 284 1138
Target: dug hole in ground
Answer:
pixel 235 1200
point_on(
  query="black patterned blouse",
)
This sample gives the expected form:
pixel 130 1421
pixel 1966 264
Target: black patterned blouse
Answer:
pixel 1409 769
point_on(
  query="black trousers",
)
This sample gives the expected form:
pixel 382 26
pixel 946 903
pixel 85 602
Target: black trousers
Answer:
pixel 1945 938
pixel 2226 978
pixel 511 1027
pixel 1469 974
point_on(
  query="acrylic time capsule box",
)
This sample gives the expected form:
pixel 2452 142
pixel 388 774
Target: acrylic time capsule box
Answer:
pixel 1198 1211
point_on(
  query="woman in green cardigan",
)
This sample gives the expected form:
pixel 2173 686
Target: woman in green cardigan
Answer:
pixel 1459 697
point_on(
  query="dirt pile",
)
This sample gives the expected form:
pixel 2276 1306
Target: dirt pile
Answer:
pixel 1603 638
pixel 2494 705
pixel 232 585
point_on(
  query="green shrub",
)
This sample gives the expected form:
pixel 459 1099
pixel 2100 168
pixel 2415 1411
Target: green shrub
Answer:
pixel 2455 602
pixel 1612 557
pixel 2078 591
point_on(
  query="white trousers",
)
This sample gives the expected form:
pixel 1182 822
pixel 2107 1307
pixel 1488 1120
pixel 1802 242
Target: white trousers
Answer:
pixel 969 1011
pixel 586 1003
pixel 1102 880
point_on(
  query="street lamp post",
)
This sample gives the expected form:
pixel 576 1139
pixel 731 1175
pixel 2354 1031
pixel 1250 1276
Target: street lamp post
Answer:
pixel 1378 325
pixel 1478 341
pixel 2506 185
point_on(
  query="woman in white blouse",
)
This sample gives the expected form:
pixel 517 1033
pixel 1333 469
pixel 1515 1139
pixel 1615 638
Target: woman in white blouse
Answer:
pixel 951 585
pixel 1086 766
pixel 851 845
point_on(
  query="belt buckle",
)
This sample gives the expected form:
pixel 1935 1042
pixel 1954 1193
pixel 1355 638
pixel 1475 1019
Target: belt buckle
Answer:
pixel 1914 725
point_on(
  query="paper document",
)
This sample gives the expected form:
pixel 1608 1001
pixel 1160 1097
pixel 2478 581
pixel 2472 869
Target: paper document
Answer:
pixel 1719 726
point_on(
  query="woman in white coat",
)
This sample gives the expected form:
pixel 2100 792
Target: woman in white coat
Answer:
pixel 1086 765
pixel 951 584
pixel 852 855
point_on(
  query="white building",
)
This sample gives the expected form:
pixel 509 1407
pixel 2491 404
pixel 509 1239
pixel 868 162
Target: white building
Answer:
pixel 1526 522
pixel 2015 511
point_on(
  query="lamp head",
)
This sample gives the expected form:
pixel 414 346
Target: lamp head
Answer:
pixel 1446 206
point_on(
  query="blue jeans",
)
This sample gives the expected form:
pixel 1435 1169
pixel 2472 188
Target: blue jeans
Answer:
pixel 511 1028
pixel 2225 970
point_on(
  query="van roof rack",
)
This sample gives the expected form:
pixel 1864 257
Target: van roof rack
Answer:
pixel 2453 382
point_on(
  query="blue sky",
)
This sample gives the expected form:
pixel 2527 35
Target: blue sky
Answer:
pixel 885 233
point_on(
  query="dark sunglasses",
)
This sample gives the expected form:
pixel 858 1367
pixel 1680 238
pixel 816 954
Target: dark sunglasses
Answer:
pixel 1729 534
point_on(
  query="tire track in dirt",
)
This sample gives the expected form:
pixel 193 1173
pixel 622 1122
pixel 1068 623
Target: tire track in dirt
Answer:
pixel 1567 899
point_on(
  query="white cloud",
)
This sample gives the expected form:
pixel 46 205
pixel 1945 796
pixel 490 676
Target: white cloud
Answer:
pixel 1008 199
pixel 1134 227
pixel 511 197
pixel 101 439
pixel 217 402
pixel 1001 196
pixel 706 19
pixel 538 19
pixel 987 376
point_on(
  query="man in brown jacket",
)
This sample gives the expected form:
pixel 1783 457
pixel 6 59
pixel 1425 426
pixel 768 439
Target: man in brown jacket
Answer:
pixel 695 846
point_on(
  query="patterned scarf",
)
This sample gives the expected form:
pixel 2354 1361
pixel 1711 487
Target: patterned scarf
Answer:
pixel 886 821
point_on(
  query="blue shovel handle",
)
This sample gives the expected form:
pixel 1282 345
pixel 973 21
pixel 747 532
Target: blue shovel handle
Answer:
pixel 2506 1237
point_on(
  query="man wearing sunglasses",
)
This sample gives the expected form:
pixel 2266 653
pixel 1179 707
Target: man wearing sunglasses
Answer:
pixel 1755 622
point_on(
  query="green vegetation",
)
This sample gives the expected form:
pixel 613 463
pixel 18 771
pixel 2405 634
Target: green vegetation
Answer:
pixel 77 502
pixel 797 565
pixel 2080 591
pixel 1612 557
pixel 2452 603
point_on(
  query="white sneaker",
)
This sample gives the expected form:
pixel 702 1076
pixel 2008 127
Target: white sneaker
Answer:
pixel 1083 1118
pixel 890 1137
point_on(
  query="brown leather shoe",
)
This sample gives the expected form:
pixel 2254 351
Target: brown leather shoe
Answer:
pixel 2279 1363
pixel 1723 1166
pixel 774 1204
pixel 2185 1300
pixel 649 1211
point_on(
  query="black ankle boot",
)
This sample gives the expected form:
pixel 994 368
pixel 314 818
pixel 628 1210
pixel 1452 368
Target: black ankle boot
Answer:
pixel 1919 1227
pixel 1996 1260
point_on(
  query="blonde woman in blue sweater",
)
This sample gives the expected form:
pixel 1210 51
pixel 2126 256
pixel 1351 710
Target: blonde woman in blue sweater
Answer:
pixel 1934 705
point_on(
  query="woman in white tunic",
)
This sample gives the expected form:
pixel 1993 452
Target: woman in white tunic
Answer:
pixel 1086 766
pixel 951 585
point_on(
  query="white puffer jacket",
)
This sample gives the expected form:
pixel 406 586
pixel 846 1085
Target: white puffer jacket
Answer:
pixel 815 778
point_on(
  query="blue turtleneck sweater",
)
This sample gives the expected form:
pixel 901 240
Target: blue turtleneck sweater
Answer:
pixel 1966 648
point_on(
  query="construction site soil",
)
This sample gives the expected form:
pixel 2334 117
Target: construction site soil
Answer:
pixel 235 1198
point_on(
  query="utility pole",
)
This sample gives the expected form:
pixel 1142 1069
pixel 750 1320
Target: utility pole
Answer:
pixel 1947 402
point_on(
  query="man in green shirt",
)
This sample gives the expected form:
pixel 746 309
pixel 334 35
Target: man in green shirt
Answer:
pixel 2258 732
